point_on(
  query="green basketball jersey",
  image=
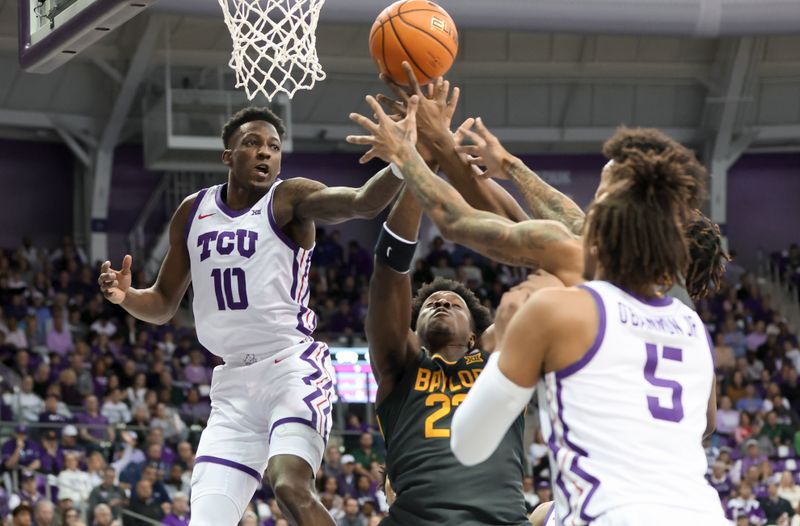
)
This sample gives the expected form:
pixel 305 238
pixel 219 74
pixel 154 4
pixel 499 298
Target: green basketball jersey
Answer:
pixel 432 486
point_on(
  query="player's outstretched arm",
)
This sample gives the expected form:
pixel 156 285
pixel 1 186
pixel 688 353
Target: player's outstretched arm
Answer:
pixel 316 202
pixel 544 201
pixel 434 115
pixel 159 303
pixel 505 386
pixel 392 344
pixel 533 243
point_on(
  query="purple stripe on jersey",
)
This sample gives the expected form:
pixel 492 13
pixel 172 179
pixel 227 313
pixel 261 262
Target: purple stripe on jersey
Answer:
pixel 551 443
pixel 295 266
pixel 228 211
pixel 192 213
pixel 277 229
pixel 229 463
pixel 598 339
pixel 591 480
pixel 549 513
pixel 595 483
pixel 324 392
pixel 301 325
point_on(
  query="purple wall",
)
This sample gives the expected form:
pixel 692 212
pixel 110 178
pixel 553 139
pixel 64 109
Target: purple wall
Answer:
pixel 131 187
pixel 763 193
pixel 36 196
pixel 763 204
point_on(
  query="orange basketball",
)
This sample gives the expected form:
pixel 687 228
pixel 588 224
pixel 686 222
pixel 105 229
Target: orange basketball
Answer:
pixel 417 31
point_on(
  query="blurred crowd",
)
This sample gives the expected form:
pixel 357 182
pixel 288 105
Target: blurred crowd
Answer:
pixel 103 413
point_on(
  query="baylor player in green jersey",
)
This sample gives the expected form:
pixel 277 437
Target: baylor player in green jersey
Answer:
pixel 425 357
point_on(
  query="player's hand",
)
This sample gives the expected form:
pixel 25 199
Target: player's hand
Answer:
pixel 114 284
pixel 436 107
pixel 388 139
pixel 485 150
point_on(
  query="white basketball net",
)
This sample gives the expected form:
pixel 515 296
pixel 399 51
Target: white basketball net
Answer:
pixel 274 44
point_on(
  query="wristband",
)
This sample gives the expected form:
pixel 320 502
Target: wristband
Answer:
pixel 394 251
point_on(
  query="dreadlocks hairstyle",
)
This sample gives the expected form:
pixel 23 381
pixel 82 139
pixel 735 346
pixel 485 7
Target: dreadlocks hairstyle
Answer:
pixel 707 257
pixel 481 317
pixel 250 114
pixel 638 227
pixel 651 140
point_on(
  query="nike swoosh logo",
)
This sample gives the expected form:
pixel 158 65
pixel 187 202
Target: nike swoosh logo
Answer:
pixel 388 251
pixel 202 216
pixel 279 361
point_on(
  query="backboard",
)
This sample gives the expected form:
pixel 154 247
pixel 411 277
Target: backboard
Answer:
pixel 51 32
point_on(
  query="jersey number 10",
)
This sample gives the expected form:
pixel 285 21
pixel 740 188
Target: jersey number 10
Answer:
pixel 223 288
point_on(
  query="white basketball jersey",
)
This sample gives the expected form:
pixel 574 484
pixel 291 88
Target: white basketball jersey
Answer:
pixel 250 280
pixel 625 424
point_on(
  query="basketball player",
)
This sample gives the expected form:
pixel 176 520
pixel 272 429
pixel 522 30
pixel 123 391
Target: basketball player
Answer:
pixel 629 414
pixel 246 247
pixel 425 358
pixel 394 142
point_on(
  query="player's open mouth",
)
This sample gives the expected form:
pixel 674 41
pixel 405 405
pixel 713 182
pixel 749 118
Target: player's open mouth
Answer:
pixel 262 168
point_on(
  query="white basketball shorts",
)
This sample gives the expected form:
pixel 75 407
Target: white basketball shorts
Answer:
pixel 279 405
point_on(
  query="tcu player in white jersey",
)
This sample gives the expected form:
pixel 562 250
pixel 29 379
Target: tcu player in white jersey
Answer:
pixel 246 247
pixel 649 373
pixel 628 373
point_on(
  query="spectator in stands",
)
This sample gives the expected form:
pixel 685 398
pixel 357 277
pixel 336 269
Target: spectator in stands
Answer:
pixel 55 412
pixel 42 379
pixel 68 381
pixel 101 516
pixel 736 389
pixel 169 421
pixel 185 456
pixel 727 418
pixel 744 430
pixel 745 504
pixel 28 492
pixel 59 338
pixel 136 393
pixel 22 515
pixel 176 482
pixel 143 503
pixel 365 491
pixel 21 451
pixel 789 490
pixel 194 411
pixel 44 514
pixel 70 516
pixel 347 480
pixel 776 508
pixel 359 260
pixel 100 430
pixel 774 432
pixel 438 251
pixel 197 372
pixel 69 442
pixel 73 483
pixel 352 515
pixel 108 493
pixel 115 410
pixel 443 269
pixel 469 273
pixel 365 454
pixel 179 516
pixel 25 403
pixel 15 335
pixel 720 481
pixel 332 467
pixel 734 337
pixel 750 402
pixel 725 359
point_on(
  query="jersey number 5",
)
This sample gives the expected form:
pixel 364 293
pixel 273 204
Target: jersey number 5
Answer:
pixel 223 288
pixel 446 405
pixel 673 413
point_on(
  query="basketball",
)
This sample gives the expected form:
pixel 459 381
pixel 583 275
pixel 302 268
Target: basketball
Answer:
pixel 417 31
